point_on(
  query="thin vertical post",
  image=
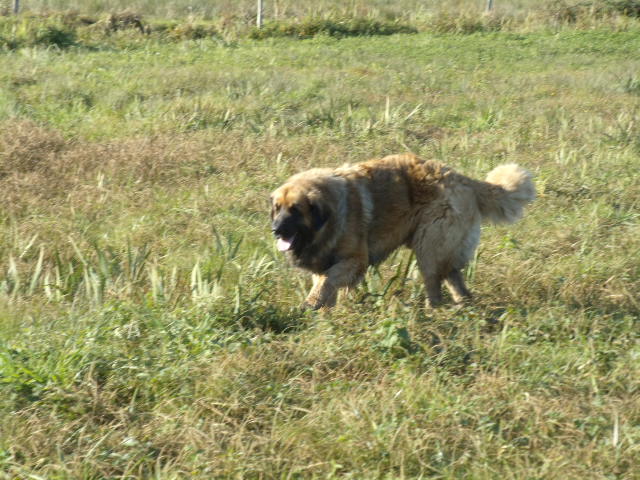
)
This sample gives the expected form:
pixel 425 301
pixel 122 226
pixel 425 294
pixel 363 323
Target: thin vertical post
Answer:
pixel 259 15
pixel 489 5
pixel 16 6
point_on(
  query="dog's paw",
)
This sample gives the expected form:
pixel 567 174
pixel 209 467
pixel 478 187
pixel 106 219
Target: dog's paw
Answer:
pixel 315 307
pixel 434 302
pixel 308 306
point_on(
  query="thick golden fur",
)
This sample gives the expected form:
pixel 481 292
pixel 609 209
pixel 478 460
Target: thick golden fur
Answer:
pixel 335 223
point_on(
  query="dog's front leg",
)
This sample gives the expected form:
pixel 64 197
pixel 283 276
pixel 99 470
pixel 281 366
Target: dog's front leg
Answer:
pixel 324 292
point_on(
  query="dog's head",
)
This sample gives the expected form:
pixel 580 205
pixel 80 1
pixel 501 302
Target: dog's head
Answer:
pixel 297 216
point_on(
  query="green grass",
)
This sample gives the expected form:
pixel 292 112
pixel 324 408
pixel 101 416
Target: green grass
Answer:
pixel 150 329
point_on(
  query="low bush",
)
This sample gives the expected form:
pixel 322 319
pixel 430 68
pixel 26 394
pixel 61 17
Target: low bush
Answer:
pixel 30 31
pixel 191 31
pixel 348 27
pixel 575 12
pixel 629 8
pixel 465 23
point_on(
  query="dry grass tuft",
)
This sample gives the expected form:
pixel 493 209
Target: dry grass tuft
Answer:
pixel 26 147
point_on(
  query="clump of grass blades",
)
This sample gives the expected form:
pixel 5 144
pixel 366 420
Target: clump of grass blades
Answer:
pixel 630 8
pixel 575 12
pixel 36 31
pixel 346 27
pixel 466 23
pixel 65 29
pixel 191 31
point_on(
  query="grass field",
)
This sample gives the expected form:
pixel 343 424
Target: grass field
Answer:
pixel 150 329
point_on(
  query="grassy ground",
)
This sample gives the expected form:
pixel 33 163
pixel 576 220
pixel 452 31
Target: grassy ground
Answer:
pixel 149 328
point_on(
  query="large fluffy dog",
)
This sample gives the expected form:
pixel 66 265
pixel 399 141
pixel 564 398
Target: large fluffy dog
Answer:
pixel 336 223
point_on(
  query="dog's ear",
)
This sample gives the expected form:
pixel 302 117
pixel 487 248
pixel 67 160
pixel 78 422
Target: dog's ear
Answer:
pixel 319 215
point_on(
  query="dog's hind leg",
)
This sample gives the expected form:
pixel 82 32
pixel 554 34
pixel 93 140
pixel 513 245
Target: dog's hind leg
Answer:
pixel 433 257
pixel 455 284
pixel 432 280
pixel 462 255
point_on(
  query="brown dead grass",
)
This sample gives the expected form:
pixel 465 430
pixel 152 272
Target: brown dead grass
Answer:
pixel 38 166
pixel 42 171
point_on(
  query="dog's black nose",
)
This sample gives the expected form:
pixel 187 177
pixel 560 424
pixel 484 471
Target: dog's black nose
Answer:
pixel 278 224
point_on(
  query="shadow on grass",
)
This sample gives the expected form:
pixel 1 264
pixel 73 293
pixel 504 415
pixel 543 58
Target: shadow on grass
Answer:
pixel 257 311
pixel 271 318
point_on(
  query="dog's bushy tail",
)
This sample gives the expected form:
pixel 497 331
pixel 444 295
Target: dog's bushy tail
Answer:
pixel 502 197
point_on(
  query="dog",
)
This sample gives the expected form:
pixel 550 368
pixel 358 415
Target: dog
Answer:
pixel 335 223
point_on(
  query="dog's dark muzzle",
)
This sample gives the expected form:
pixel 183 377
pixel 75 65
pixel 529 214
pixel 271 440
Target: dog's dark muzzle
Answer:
pixel 285 228
pixel 284 225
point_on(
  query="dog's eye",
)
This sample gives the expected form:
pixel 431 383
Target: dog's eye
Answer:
pixel 294 208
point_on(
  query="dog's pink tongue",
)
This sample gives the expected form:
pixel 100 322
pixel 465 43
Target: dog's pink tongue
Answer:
pixel 283 245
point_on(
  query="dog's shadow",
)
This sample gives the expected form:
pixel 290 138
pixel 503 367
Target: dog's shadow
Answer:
pixel 274 319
